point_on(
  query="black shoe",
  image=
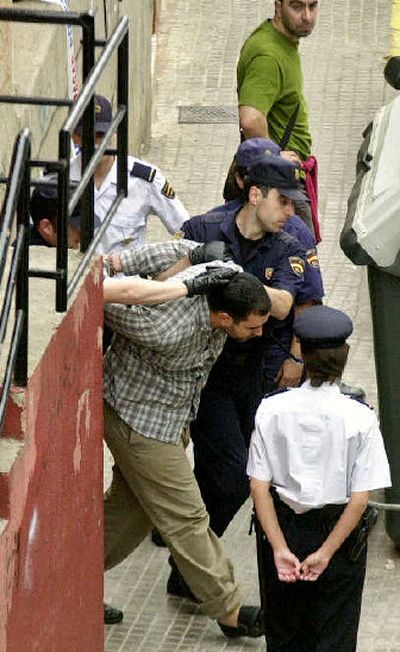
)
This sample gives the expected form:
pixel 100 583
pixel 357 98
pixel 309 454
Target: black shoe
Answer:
pixel 157 538
pixel 355 392
pixel 250 623
pixel 112 616
pixel 177 586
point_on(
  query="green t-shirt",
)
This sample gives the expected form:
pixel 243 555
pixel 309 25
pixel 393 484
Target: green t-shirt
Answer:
pixel 270 79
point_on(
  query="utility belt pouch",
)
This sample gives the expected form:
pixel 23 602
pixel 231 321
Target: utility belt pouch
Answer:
pixel 359 539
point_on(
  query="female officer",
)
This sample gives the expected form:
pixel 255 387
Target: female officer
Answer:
pixel 314 456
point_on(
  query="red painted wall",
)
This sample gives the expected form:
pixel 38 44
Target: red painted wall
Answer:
pixel 51 552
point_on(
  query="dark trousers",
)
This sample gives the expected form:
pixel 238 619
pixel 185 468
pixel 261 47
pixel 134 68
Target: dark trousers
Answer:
pixel 320 616
pixel 221 436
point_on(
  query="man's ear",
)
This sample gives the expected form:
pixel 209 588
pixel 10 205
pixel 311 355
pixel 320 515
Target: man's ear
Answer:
pixel 254 194
pixel 221 319
pixel 47 231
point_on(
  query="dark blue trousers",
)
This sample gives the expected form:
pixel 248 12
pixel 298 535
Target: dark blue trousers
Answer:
pixel 320 616
pixel 221 436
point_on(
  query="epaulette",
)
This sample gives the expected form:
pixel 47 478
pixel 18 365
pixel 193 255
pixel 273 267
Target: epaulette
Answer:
pixel 275 392
pixel 142 171
pixel 359 399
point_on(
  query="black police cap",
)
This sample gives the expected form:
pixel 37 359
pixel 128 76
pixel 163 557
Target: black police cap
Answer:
pixel 275 172
pixel 322 327
pixel 44 203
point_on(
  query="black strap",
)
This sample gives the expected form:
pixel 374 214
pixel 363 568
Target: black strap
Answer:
pixel 284 348
pixel 289 127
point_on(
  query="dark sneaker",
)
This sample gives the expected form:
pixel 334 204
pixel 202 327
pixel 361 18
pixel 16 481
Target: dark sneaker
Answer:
pixel 157 538
pixel 355 392
pixel 177 586
pixel 112 616
pixel 250 623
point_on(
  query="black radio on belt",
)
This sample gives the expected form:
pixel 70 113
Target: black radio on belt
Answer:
pixel 367 522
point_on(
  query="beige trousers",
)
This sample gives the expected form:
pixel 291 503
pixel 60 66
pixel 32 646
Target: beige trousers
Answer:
pixel 154 485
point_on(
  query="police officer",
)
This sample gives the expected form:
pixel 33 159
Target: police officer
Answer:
pixel 279 368
pixel 221 432
pixel 314 456
pixel 148 192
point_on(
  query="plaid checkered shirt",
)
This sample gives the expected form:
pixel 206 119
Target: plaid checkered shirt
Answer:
pixel 160 355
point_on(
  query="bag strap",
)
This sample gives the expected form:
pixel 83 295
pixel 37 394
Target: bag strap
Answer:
pixel 289 127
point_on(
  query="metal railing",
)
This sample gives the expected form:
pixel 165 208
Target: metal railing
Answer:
pixel 18 184
pixel 15 281
pixel 83 109
pixel 91 155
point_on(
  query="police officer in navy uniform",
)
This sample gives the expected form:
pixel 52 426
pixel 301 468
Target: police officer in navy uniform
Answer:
pixel 149 192
pixel 280 369
pixel 221 432
pixel 314 457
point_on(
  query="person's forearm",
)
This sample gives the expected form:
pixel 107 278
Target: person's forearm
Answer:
pixel 136 290
pixel 181 265
pixel 346 524
pixel 266 514
pixel 154 258
pixel 282 302
pixel 253 123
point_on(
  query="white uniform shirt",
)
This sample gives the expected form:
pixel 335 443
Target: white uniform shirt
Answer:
pixel 316 446
pixel 128 226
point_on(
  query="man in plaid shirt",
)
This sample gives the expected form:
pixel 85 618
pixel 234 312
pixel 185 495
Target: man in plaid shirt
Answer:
pixel 155 368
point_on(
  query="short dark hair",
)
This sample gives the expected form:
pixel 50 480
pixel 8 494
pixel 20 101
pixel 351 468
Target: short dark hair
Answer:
pixel 44 203
pixel 242 296
pixel 325 365
pixel 249 183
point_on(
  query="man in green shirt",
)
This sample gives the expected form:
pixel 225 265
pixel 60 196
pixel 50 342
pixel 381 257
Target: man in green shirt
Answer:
pixel 270 78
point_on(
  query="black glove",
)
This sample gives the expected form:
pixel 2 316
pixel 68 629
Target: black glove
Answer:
pixel 214 250
pixel 213 277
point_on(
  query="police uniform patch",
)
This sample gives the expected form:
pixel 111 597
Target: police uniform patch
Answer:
pixel 168 190
pixel 312 257
pixel 141 171
pixel 269 272
pixel 178 235
pixel 297 265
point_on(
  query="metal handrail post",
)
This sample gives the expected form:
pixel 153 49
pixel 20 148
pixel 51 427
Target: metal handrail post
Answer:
pixel 64 142
pixel 88 140
pixel 123 128
pixel 22 285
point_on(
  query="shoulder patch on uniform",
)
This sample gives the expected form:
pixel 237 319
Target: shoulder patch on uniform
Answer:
pixel 168 190
pixel 178 235
pixel 312 257
pixel 360 399
pixel 142 171
pixel 275 392
pixel 297 265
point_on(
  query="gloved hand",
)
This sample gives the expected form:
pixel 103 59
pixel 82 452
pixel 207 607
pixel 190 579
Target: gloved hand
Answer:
pixel 214 250
pixel 213 277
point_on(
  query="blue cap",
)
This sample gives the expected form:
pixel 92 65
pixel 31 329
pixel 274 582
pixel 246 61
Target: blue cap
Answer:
pixel 44 204
pixel 275 172
pixel 102 116
pixel 322 327
pixel 253 148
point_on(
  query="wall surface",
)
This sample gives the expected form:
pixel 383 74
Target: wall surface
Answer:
pixel 42 67
pixel 51 499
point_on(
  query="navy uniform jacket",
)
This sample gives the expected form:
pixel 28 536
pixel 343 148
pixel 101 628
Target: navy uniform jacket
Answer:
pixel 275 261
pixel 312 288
